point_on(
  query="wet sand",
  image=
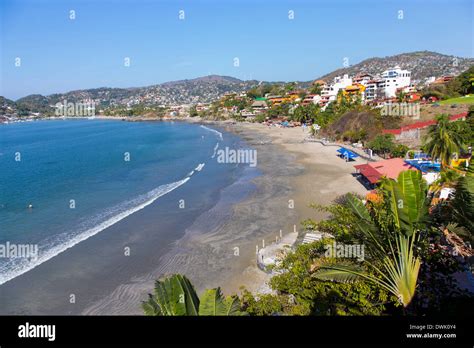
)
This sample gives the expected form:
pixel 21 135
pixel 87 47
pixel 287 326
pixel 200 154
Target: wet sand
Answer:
pixel 216 249
pixel 207 253
pixel 313 174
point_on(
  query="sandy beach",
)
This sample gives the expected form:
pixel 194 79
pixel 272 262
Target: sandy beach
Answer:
pixel 319 177
pixel 291 170
pixel 218 246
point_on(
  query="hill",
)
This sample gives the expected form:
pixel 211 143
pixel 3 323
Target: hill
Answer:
pixel 206 89
pixel 422 64
pixel 199 90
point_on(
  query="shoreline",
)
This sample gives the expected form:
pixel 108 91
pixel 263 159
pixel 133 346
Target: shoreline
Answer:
pixel 320 178
pixel 196 119
pixel 99 260
pixel 206 253
pixel 290 170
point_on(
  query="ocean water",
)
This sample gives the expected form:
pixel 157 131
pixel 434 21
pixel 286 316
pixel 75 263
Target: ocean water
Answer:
pixel 82 176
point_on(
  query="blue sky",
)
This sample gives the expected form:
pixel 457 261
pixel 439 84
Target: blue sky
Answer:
pixel 59 54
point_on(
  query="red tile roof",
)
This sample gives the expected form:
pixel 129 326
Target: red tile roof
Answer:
pixel 390 168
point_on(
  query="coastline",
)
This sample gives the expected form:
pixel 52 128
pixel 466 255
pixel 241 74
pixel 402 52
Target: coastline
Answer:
pixel 96 268
pixel 317 176
pixel 290 170
pixel 206 253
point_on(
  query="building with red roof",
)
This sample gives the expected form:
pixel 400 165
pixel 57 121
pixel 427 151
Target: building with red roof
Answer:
pixel 390 168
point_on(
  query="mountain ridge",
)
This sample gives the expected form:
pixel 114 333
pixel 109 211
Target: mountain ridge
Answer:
pixel 204 89
pixel 420 63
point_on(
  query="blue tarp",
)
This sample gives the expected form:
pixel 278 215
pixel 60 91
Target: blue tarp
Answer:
pixel 347 154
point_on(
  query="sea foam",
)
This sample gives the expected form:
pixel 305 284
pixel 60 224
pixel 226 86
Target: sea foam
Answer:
pixel 219 134
pixel 58 244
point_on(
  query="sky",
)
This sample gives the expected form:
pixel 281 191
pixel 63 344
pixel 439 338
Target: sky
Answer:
pixel 278 40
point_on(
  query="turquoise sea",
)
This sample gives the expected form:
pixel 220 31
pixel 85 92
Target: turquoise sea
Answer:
pixel 83 176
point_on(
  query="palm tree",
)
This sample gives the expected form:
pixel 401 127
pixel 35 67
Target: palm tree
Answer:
pixel 392 263
pixel 175 296
pixel 443 141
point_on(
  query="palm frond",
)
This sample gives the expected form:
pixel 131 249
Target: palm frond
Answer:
pixel 397 274
pixel 339 272
pixel 173 296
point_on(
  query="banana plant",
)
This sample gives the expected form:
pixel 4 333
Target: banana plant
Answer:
pixel 173 296
pixel 407 200
pixel 176 296
pixel 214 303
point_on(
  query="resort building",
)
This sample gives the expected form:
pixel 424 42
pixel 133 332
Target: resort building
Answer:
pixel 311 99
pixel 371 89
pixel 362 78
pixel 277 100
pixel 259 105
pixel 202 107
pixel 394 78
pixel 324 101
pixel 330 91
pixel 247 114
pixel 295 95
pixel 372 172
pixel 354 91
pixel 412 97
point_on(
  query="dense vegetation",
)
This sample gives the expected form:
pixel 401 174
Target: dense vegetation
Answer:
pixel 403 257
pixel 461 85
pixel 384 144
pixel 447 139
pixel 413 247
pixel 407 268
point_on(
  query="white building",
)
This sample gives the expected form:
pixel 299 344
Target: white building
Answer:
pixel 362 78
pixel 394 78
pixel 330 91
pixel 371 90
pixel 374 89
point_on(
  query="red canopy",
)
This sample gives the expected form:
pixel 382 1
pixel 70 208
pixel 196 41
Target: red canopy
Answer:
pixel 370 173
pixel 390 168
